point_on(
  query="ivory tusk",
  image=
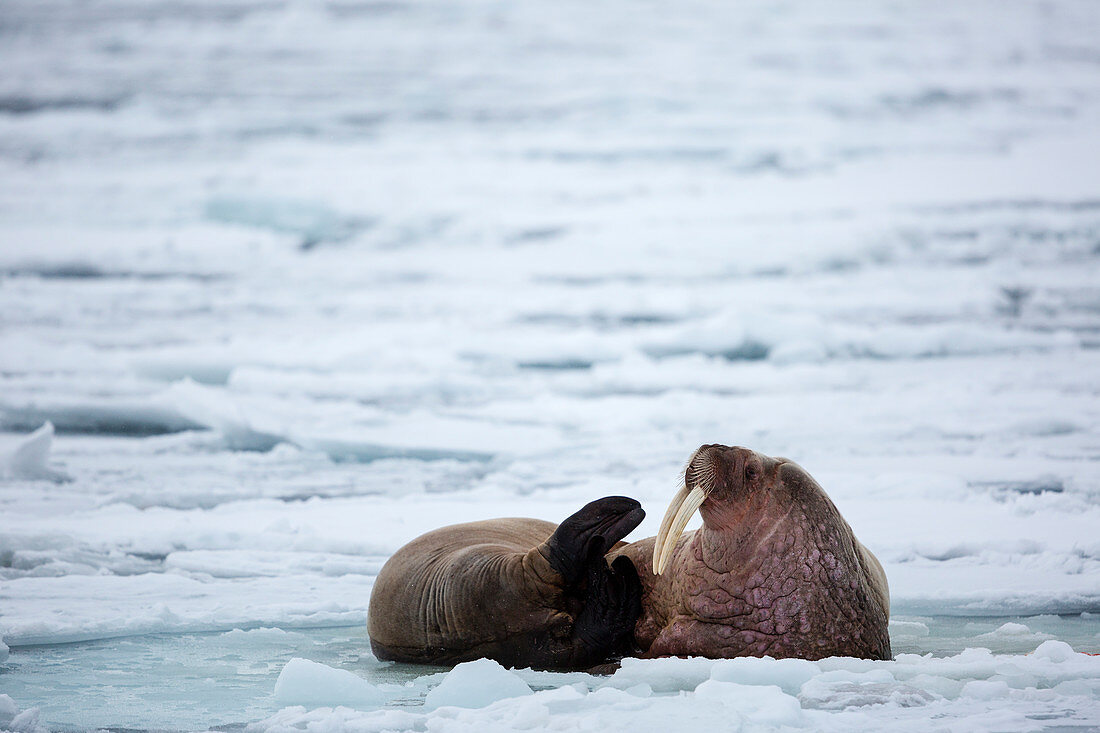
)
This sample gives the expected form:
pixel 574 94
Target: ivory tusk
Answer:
pixel 680 510
pixel 666 522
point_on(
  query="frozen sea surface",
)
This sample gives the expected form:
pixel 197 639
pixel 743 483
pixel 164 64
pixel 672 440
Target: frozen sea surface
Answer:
pixel 285 284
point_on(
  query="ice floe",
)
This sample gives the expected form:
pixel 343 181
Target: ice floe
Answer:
pixel 296 282
pixel 975 688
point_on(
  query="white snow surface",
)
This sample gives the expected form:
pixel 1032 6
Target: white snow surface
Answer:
pixel 286 283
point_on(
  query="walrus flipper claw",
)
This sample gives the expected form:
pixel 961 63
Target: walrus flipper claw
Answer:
pixel 591 531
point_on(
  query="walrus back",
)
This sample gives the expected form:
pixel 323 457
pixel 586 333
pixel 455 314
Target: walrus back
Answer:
pixel 416 604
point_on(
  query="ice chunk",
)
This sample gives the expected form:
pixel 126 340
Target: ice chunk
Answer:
pixel 303 682
pixel 330 720
pixel 841 694
pixel 1011 630
pixel 29 459
pixel 787 674
pixel 762 704
pixel 859 683
pixel 475 685
pixel 1055 651
pixel 16 721
pixel 985 689
pixel 211 407
pixel 1085 688
pixel 531 714
pixel 669 674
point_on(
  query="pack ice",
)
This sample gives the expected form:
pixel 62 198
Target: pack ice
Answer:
pixel 976 689
pixel 287 283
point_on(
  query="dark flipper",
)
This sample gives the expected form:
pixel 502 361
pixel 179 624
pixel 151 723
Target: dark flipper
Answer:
pixel 612 605
pixel 591 532
pixel 610 596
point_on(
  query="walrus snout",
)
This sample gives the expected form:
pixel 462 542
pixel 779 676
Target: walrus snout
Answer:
pixel 715 474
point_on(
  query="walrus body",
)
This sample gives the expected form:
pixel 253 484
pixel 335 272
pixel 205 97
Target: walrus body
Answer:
pixel 774 570
pixel 524 592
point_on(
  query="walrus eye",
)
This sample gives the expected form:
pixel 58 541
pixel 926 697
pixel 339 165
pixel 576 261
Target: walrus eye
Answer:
pixel 750 472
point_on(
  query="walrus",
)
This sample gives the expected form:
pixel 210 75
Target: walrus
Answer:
pixel 774 570
pixel 524 592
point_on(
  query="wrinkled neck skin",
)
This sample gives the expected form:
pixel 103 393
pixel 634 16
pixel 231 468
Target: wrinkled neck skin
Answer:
pixel 730 540
pixel 734 532
pixel 775 571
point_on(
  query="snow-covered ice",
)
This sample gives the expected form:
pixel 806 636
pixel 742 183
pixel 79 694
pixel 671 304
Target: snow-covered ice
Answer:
pixel 285 283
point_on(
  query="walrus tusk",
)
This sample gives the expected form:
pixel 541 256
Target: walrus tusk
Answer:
pixel 680 510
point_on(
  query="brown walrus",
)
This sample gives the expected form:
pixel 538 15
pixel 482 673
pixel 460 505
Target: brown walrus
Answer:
pixel 775 570
pixel 524 592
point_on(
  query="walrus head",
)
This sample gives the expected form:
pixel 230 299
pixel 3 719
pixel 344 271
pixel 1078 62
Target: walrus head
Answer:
pixel 725 485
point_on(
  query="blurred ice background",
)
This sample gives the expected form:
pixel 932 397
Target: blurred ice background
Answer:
pixel 284 284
